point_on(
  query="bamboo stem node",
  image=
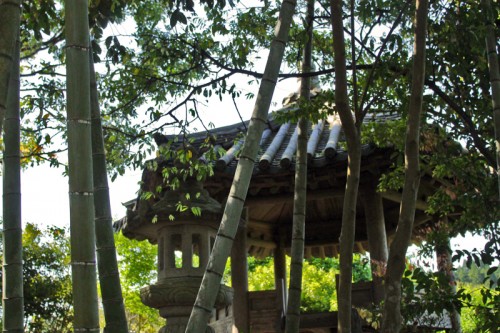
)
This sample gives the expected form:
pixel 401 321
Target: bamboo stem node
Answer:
pixel 6 56
pixel 83 263
pixel 238 198
pixel 19 263
pixel 247 158
pixel 225 236
pixel 108 275
pixel 96 329
pixel 214 272
pixel 82 193
pixel 80 121
pixel 78 47
pixel 202 308
pixel 112 300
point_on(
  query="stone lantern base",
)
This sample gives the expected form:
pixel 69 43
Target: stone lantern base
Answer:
pixel 174 298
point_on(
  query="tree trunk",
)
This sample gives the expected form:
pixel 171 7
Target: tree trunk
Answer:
pixel 10 18
pixel 107 265
pixel 445 265
pixel 351 132
pixel 209 288
pixel 377 240
pixel 494 78
pixel 292 322
pixel 13 299
pixel 392 321
pixel 81 185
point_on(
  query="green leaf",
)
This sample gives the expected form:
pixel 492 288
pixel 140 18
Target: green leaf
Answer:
pixel 491 270
pixel 177 16
pixel 146 195
pixel 196 211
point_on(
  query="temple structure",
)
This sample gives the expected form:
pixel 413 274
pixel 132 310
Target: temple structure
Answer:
pixel 266 224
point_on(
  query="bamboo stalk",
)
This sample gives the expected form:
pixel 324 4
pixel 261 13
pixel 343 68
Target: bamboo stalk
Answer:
pixel 81 196
pixel 494 70
pixel 107 264
pixel 13 296
pixel 234 206
pixel 10 16
pixel 292 323
pixel 298 231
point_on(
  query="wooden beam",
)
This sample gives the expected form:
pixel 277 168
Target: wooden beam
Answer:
pixel 261 243
pixel 288 197
pixel 396 197
pixel 239 279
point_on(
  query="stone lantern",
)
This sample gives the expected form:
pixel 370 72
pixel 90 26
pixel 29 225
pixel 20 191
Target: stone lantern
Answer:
pixel 184 243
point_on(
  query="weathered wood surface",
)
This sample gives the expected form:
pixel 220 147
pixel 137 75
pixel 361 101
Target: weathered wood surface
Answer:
pixel 266 318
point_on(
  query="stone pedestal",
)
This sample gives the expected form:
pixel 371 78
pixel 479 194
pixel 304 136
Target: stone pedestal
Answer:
pixel 174 298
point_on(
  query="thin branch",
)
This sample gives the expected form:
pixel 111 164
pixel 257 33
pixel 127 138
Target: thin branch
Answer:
pixel 288 75
pixel 239 114
pixel 350 32
pixel 379 55
pixel 469 124
pixel 188 97
pixel 353 61
pixel 44 45
pixel 44 156
pixel 45 71
pixel 198 117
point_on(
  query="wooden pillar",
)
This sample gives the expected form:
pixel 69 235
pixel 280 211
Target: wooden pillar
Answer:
pixel 377 240
pixel 239 279
pixel 445 265
pixel 280 282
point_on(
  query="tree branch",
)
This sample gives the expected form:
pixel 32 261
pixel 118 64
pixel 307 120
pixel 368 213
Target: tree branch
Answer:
pixel 379 55
pixel 44 45
pixel 258 75
pixel 469 124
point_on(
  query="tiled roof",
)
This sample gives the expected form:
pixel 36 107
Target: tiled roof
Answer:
pixel 278 143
